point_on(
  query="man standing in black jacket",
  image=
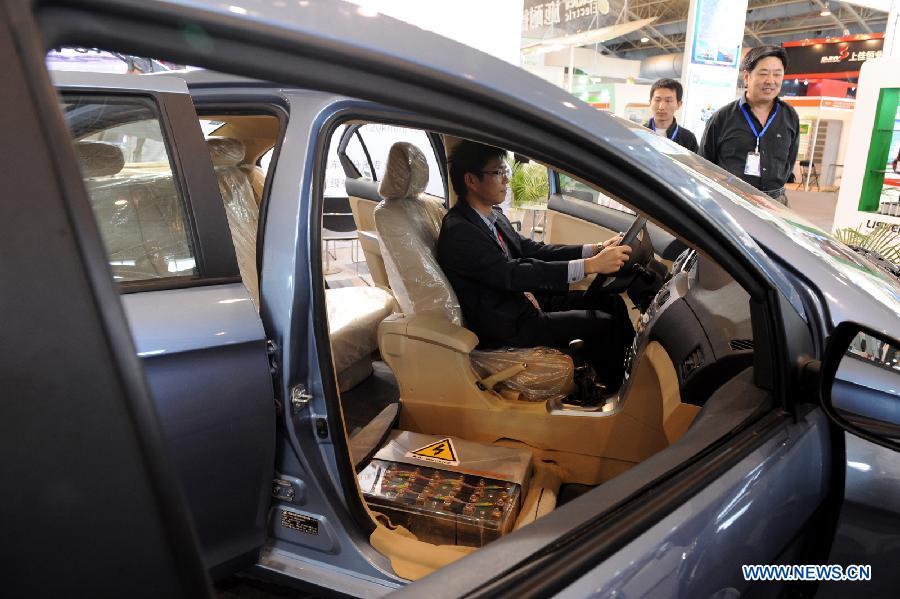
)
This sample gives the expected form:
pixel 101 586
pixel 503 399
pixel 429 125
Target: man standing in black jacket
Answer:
pixel 514 292
pixel 665 100
pixel 757 136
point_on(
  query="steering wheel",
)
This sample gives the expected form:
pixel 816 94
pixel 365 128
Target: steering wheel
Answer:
pixel 641 254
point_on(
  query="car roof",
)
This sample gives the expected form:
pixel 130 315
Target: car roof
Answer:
pixel 341 29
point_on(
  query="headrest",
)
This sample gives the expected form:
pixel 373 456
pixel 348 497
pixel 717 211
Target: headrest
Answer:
pixel 99 159
pixel 225 151
pixel 406 173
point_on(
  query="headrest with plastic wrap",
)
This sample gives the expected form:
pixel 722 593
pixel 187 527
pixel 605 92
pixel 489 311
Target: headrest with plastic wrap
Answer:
pixel 406 173
pixel 99 159
pixel 225 151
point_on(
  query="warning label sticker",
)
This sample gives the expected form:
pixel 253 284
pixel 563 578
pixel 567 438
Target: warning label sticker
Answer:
pixel 441 452
pixel 300 522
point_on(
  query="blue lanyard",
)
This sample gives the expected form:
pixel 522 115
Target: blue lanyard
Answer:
pixel 674 133
pixel 768 122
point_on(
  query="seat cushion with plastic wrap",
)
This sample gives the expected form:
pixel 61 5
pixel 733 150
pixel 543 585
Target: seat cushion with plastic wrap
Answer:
pixel 408 227
pixel 136 210
pixel 257 178
pixel 240 206
pixel 353 317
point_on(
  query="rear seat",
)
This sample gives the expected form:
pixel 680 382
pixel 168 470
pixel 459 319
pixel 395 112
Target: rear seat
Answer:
pixel 354 314
pixel 135 210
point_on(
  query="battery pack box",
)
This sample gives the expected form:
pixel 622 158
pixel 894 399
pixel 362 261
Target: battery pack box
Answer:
pixel 444 490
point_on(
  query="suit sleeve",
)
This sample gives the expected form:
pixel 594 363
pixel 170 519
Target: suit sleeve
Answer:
pixel 466 252
pixel 709 142
pixel 692 143
pixel 549 251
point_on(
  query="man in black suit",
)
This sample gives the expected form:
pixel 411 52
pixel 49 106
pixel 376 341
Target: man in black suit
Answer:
pixel 514 292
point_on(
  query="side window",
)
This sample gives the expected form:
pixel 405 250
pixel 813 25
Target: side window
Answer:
pixel 357 156
pixel 378 140
pixel 573 189
pixel 128 173
pixel 266 159
pixel 334 172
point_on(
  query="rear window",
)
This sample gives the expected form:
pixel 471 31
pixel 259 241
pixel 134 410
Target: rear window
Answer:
pixel 127 169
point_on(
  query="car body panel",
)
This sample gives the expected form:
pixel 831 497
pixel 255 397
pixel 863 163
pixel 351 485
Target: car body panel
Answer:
pixel 743 214
pixel 204 355
pixel 171 321
pixel 763 234
pixel 747 516
pixel 289 312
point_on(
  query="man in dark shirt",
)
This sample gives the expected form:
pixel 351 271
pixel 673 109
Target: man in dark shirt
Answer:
pixel 514 292
pixel 665 100
pixel 757 136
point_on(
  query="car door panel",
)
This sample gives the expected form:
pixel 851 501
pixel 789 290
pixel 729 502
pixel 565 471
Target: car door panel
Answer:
pixel 868 520
pixel 196 330
pixel 89 506
pixel 204 356
pixel 749 515
pixel 565 211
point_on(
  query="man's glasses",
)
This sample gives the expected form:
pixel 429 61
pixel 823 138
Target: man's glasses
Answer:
pixel 502 172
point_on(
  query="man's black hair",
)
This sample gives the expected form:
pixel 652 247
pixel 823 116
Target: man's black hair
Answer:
pixel 470 157
pixel 667 84
pixel 752 58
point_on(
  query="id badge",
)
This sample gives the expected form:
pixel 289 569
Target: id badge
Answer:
pixel 752 166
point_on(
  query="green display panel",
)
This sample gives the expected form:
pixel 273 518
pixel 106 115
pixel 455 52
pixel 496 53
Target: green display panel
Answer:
pixel 879 148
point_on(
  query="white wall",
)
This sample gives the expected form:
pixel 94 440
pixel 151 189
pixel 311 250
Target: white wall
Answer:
pixel 874 75
pixel 492 26
pixel 846 118
pixel 595 63
pixel 626 93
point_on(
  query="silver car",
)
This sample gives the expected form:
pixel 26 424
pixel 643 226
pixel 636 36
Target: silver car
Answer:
pixel 181 406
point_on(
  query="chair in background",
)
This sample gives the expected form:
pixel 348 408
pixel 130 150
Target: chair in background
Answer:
pixel 338 225
pixel 808 167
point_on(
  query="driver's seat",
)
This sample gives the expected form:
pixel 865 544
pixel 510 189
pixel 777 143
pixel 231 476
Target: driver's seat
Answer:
pixel 427 346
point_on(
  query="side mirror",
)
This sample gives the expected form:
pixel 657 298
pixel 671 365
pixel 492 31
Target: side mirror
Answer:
pixel 861 384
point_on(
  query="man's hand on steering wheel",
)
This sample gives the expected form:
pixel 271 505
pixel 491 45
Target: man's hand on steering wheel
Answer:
pixel 608 261
pixel 598 247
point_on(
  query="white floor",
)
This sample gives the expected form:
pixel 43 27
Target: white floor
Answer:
pixel 815 206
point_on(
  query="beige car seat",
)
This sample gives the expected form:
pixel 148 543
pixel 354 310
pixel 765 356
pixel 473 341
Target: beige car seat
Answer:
pixel 257 178
pixel 353 312
pixel 408 227
pixel 137 210
pixel 240 206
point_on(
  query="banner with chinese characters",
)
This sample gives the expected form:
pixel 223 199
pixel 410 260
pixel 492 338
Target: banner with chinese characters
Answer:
pixel 832 57
pixel 715 35
pixel 541 18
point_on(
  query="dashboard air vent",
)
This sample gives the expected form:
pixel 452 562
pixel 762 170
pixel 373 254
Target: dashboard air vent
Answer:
pixel 663 296
pixel 741 344
pixel 692 362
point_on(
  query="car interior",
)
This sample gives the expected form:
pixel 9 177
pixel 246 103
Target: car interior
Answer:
pixel 694 335
pixel 455 446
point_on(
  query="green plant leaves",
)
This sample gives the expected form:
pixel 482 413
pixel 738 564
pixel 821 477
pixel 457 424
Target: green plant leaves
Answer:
pixel 529 184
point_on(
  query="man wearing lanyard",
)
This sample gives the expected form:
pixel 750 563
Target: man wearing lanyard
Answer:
pixel 665 100
pixel 513 291
pixel 757 136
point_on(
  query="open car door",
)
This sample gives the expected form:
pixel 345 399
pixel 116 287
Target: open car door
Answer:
pixel 156 200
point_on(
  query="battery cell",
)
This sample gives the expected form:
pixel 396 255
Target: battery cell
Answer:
pixel 441 506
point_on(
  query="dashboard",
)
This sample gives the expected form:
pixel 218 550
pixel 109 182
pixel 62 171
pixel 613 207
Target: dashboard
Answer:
pixel 701 317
